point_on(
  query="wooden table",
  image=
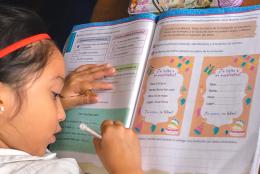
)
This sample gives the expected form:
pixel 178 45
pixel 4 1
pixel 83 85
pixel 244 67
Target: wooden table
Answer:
pixel 106 10
pixel 250 2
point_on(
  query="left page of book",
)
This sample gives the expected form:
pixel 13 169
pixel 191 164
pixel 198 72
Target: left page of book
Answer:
pixel 123 43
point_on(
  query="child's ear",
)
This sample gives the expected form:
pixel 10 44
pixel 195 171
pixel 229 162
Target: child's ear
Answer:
pixel 7 102
pixel 5 96
pixel 2 108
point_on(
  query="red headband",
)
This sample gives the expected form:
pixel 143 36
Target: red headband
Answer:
pixel 19 44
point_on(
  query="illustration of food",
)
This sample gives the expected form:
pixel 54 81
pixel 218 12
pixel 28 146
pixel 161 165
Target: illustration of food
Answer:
pixel 173 127
pixel 237 129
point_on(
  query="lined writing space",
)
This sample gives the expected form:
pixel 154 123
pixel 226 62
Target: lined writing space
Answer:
pixel 227 94
pixel 209 161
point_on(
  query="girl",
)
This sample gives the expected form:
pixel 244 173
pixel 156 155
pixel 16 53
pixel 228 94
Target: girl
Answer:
pixel 31 84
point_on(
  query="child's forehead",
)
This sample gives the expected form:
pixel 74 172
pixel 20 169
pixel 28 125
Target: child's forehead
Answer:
pixel 56 65
pixel 60 79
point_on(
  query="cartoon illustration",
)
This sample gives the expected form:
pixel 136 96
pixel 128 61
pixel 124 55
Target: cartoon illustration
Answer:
pixel 224 96
pixel 202 3
pixel 138 6
pixel 173 127
pixel 132 5
pixel 142 6
pixel 209 69
pixel 238 129
pixel 176 3
pixel 160 109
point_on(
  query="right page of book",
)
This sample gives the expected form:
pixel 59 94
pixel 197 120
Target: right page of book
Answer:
pixel 198 109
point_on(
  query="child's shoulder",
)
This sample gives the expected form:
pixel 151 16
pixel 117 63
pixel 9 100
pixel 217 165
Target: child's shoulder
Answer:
pixel 12 161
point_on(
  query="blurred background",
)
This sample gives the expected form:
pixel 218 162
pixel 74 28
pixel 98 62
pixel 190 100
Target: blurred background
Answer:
pixel 59 15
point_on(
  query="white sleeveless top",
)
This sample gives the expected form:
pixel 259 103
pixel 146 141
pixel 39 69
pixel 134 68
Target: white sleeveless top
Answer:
pixel 19 162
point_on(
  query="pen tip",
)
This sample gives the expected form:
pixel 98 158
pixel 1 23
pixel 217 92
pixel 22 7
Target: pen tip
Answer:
pixel 82 126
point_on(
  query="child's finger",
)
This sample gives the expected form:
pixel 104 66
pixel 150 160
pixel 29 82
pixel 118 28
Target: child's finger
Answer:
pixel 84 75
pixel 119 123
pixel 105 124
pixel 85 86
pixel 88 99
pixel 101 86
pixel 85 67
pixel 79 100
pixel 101 74
pixel 98 68
pixel 97 144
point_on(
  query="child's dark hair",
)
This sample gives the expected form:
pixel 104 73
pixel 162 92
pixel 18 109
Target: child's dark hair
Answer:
pixel 19 67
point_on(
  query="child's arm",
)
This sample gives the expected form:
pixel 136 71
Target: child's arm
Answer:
pixel 119 149
pixel 79 85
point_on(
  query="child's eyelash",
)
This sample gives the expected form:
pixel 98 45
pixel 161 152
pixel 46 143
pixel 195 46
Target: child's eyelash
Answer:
pixel 57 95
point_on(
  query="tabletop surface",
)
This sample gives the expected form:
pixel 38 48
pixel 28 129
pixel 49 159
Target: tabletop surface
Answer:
pixel 250 2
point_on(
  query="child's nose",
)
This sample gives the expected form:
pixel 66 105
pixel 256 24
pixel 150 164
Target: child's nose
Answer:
pixel 61 112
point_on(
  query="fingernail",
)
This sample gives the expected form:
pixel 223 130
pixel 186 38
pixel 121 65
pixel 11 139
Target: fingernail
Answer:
pixel 95 99
pixel 108 65
pixel 113 70
pixel 93 94
pixel 110 86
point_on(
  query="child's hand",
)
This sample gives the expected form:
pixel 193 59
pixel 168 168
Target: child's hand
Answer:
pixel 119 149
pixel 79 84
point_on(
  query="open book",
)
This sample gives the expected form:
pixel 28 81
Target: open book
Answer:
pixel 187 82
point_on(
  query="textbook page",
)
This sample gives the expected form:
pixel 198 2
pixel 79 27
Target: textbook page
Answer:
pixel 198 109
pixel 256 161
pixel 123 43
